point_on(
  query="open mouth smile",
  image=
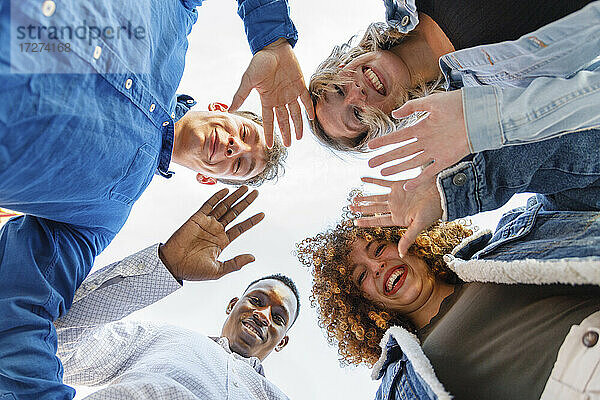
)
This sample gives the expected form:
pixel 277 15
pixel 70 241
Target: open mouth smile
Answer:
pixel 394 280
pixel 254 329
pixel 374 80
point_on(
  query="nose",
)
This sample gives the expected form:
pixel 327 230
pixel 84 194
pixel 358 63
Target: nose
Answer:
pixel 356 94
pixel 262 316
pixel 234 147
pixel 376 269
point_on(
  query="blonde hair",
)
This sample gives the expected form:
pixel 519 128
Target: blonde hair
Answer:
pixel 378 36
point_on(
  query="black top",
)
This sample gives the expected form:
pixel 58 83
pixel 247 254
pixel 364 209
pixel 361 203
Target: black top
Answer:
pixel 499 342
pixel 477 22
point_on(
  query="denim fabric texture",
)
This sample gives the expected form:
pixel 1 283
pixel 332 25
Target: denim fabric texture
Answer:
pixel 77 150
pixel 545 84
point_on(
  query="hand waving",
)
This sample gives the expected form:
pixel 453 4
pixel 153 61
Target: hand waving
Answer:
pixel 191 253
pixel 417 210
pixel 441 138
pixel 275 73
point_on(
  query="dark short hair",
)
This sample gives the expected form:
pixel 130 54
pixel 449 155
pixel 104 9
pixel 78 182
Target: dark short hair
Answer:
pixel 287 282
pixel 275 158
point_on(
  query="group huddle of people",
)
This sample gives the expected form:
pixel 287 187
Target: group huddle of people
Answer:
pixel 486 98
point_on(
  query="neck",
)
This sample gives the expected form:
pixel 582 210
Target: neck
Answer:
pixel 422 50
pixel 178 128
pixel 431 308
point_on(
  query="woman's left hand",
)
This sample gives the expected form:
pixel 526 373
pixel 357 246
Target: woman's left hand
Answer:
pixel 441 138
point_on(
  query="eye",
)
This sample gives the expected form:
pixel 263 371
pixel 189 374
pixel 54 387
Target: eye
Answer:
pixel 238 164
pixel 244 133
pixel 356 112
pixel 361 278
pixel 254 300
pixel 379 250
pixel 279 319
pixel 339 90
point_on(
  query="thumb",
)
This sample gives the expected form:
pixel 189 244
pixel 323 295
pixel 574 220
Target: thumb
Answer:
pixel 408 239
pixel 242 93
pixel 408 108
pixel 236 263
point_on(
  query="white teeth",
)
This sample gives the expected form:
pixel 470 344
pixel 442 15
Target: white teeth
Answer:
pixel 389 285
pixel 373 78
pixel 253 329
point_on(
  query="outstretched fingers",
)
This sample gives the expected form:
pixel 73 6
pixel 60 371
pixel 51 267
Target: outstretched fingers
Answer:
pixel 238 229
pixel 378 220
pixel 209 204
pixel 224 206
pixel 237 209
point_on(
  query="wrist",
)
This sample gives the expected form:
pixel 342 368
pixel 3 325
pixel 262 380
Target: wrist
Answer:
pixel 163 255
pixel 277 44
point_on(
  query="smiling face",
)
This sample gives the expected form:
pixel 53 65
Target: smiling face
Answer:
pixel 378 79
pixel 404 284
pixel 220 145
pixel 259 321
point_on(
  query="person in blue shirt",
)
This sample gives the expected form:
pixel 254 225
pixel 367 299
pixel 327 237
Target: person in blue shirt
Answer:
pixel 84 127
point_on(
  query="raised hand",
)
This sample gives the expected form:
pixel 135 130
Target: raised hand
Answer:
pixel 417 210
pixel 441 138
pixel 191 253
pixel 275 73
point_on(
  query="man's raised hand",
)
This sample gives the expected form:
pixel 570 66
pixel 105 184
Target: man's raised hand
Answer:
pixel 191 252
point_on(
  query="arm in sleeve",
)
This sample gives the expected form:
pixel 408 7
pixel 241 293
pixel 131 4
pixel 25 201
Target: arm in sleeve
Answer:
pixel 566 169
pixel 546 108
pixel 265 21
pixel 112 293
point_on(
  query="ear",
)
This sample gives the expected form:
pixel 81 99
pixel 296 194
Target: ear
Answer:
pixel 206 180
pixel 230 305
pixel 216 106
pixel 283 343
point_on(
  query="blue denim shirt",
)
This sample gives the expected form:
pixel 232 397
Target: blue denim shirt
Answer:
pixel 542 85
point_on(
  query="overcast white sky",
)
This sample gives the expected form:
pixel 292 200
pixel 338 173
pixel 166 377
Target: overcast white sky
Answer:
pixel 306 200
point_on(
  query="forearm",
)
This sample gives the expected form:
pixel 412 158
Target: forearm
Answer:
pixel 114 292
pixel 548 107
pixel 265 21
pixel 559 167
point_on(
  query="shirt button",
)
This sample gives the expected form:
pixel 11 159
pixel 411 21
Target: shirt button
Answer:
pixel 190 101
pixel 48 8
pixel 128 84
pixel 152 107
pixel 173 115
pixel 165 123
pixel 405 20
pixel 97 52
pixel 459 179
pixel 590 338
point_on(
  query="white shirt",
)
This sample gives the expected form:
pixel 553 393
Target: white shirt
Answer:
pixel 144 360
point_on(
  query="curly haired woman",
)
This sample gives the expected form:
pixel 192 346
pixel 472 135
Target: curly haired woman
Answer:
pixel 491 313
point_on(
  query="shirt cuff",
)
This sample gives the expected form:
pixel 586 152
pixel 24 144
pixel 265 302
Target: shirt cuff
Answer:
pixel 266 21
pixel 459 190
pixel 144 262
pixel 482 118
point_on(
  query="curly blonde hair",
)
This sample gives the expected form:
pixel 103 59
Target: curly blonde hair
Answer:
pixel 378 36
pixel 351 321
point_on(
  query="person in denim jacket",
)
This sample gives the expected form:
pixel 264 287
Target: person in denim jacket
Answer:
pixel 458 306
